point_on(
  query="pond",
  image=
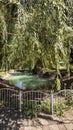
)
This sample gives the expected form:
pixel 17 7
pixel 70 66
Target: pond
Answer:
pixel 28 81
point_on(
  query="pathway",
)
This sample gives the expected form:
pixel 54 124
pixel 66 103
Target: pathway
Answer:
pixel 12 120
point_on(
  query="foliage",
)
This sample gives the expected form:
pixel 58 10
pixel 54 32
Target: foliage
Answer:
pixel 14 104
pixel 45 107
pixel 58 84
pixel 31 108
pixel 59 108
pixel 32 30
pixel 69 99
pixel 1 103
pixel 2 73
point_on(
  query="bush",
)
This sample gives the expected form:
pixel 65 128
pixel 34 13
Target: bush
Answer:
pixel 14 103
pixel 31 108
pixel 59 108
pixel 1 103
pixel 69 99
pixel 45 107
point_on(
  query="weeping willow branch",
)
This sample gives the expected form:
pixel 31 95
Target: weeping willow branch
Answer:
pixel 38 30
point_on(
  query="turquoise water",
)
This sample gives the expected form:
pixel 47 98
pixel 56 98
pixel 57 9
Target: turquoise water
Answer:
pixel 27 81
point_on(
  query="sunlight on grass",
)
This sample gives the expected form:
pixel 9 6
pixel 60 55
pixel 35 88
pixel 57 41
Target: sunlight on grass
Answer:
pixel 2 73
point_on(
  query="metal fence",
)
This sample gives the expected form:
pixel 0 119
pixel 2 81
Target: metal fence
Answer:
pixel 9 98
pixel 18 99
pixel 62 100
pixel 26 100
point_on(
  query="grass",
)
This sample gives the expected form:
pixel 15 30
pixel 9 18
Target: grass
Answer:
pixel 2 73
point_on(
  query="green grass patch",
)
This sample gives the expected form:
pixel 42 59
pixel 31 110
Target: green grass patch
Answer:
pixel 2 73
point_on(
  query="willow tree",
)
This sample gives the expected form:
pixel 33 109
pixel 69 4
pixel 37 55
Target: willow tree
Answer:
pixel 12 32
pixel 51 26
pixel 32 30
pixel 69 14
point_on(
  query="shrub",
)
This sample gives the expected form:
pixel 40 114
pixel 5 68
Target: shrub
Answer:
pixel 31 108
pixel 69 99
pixel 1 103
pixel 45 107
pixel 59 108
pixel 14 104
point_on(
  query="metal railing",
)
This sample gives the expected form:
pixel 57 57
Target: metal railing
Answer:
pixel 9 98
pixel 16 98
pixel 22 100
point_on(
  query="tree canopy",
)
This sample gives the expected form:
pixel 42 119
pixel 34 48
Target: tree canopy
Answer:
pixel 32 30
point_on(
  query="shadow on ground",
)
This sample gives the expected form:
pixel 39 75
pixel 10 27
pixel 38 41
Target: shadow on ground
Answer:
pixel 10 119
pixel 13 120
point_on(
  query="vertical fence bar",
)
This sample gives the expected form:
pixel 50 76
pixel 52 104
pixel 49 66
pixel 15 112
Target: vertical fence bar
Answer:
pixel 4 94
pixel 0 95
pixel 20 101
pixel 9 97
pixel 51 103
pixel 16 99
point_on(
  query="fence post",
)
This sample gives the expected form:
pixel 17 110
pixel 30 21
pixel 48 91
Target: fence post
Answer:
pixel 51 102
pixel 20 101
pixel 19 84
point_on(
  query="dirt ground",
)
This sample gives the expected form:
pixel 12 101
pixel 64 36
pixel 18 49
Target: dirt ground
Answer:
pixel 12 120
